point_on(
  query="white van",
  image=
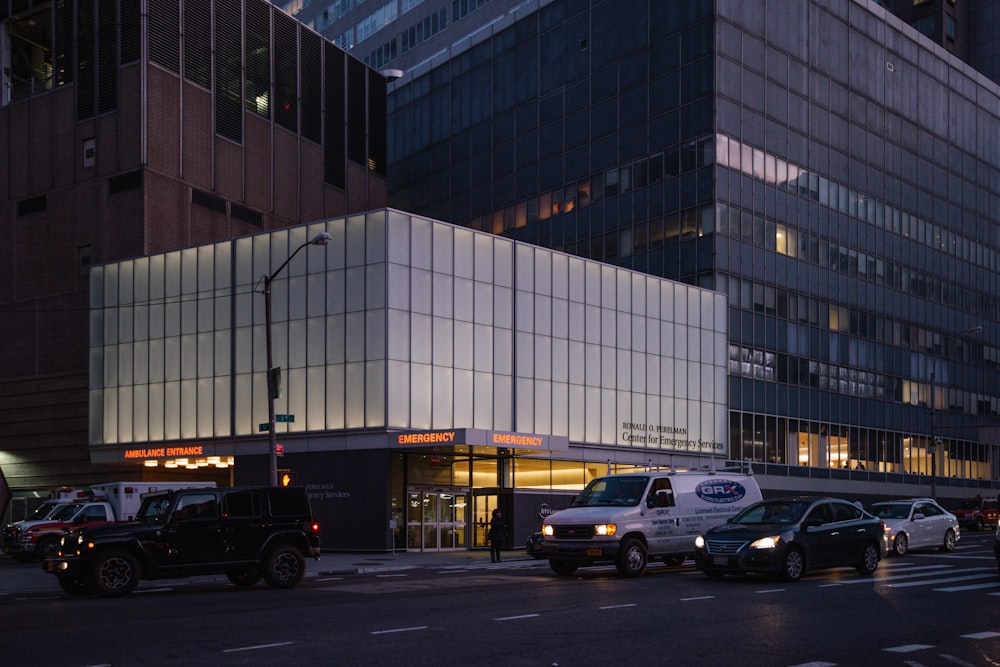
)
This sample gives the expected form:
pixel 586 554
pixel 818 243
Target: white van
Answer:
pixel 629 518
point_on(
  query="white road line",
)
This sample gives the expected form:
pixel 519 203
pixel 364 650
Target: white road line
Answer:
pixel 771 590
pixel 982 635
pixel 254 648
pixel 618 606
pixel 930 582
pixel 330 579
pixel 516 618
pixel 815 664
pixel 703 597
pixel 386 632
pixel 882 579
pixel 908 648
pixel 386 576
pixel 969 587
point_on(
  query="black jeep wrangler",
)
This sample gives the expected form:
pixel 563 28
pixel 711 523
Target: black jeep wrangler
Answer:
pixel 244 533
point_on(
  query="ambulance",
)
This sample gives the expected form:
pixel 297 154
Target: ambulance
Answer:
pixel 628 519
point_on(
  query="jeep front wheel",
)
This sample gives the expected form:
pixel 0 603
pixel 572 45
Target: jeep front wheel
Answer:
pixel 114 573
pixel 283 566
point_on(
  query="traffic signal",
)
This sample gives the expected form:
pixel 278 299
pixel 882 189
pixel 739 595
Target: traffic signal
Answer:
pixel 286 477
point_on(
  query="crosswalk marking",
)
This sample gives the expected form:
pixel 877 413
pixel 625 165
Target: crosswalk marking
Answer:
pixel 930 582
pixel 969 587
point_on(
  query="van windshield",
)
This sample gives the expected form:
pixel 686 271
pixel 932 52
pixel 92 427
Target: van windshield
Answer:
pixel 625 491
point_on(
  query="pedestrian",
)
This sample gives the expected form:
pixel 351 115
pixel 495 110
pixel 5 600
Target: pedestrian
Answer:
pixel 496 536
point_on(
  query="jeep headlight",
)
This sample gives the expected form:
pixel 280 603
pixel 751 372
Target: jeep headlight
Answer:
pixel 766 542
pixel 605 529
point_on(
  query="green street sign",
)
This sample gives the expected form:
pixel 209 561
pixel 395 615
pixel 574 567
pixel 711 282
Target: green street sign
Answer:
pixel 284 418
pixel 263 427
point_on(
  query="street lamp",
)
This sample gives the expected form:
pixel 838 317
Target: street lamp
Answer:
pixel 933 449
pixel 322 238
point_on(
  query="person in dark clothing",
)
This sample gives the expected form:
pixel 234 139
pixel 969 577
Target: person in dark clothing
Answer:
pixel 497 535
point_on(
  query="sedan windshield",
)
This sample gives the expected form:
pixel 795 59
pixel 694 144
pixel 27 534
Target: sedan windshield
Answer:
pixel 893 511
pixel 612 491
pixel 773 511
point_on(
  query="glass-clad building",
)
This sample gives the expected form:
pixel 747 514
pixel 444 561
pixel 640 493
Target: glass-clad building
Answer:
pixel 429 372
pixel 821 163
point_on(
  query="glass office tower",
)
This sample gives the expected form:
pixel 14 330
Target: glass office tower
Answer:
pixel 821 163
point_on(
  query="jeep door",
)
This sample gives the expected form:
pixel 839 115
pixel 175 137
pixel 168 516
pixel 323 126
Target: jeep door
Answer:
pixel 193 532
pixel 243 527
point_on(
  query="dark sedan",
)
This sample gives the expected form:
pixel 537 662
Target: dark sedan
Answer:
pixel 788 536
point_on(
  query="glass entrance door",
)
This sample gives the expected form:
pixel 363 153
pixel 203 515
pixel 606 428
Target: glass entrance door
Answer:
pixel 436 520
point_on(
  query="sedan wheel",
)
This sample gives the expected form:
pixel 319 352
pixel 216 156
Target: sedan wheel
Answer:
pixel 949 541
pixel 793 566
pixel 869 562
pixel 901 544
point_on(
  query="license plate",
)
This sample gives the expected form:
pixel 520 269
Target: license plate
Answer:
pixel 595 551
pixel 720 560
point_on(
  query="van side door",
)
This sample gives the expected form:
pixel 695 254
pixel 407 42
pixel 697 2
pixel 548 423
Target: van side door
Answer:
pixel 663 518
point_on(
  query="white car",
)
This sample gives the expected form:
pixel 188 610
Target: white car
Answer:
pixel 917 523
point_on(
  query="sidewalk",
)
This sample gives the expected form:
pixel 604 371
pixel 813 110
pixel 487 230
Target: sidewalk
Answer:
pixel 363 563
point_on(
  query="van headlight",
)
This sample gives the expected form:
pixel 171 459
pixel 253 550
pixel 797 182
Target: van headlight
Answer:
pixel 605 529
pixel 547 530
pixel 699 542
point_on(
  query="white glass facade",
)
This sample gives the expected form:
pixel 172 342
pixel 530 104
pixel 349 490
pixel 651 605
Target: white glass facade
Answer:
pixel 402 323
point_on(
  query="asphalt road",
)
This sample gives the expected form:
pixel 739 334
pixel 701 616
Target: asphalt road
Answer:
pixel 925 608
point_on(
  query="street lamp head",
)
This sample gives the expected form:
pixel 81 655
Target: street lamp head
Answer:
pixel 322 238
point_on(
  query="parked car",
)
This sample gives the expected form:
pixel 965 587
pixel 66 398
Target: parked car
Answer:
pixel 533 545
pixel 917 523
pixel 977 513
pixel 789 536
pixel 245 533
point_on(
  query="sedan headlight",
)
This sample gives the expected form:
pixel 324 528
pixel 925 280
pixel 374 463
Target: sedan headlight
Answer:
pixel 605 529
pixel 547 530
pixel 766 542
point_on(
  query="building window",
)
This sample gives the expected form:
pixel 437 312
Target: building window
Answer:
pixel 89 153
pixel 925 26
pixel 950 27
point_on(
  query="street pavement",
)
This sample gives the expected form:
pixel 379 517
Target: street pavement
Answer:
pixel 29 579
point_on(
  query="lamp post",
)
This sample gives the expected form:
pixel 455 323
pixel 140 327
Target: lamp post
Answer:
pixel 322 238
pixel 933 447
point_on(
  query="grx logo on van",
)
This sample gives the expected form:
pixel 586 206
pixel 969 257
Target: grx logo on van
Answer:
pixel 720 491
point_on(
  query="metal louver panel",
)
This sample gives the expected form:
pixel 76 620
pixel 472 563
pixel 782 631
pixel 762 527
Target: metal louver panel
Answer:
pixel 312 86
pixel 228 70
pixel 258 58
pixel 164 33
pixel 286 72
pixel 334 147
pixel 198 42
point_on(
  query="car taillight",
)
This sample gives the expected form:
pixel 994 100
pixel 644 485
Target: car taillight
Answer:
pixel 315 528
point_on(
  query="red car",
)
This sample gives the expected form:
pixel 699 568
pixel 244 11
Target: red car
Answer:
pixel 977 513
